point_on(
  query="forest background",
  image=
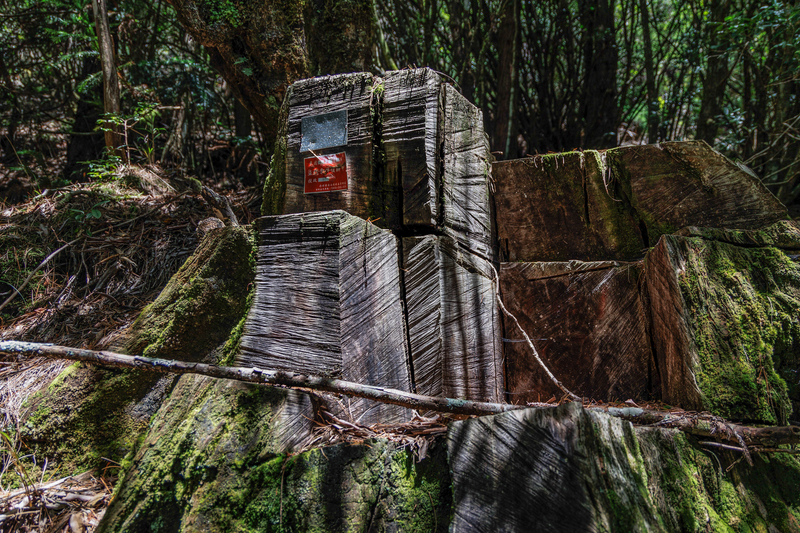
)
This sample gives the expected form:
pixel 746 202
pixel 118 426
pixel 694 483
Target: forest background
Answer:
pixel 201 81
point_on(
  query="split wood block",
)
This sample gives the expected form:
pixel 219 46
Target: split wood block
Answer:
pixel 559 207
pixel 453 320
pixel 324 117
pixel 588 321
pixel 467 204
pixel 725 326
pixel 327 302
pixel 417 157
pixel 676 184
pixel 413 103
pixel 436 148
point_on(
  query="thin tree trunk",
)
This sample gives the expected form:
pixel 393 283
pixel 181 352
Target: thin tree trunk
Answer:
pixel 111 102
pixel 505 115
pixel 599 111
pixel 716 77
pixel 650 74
pixel 243 124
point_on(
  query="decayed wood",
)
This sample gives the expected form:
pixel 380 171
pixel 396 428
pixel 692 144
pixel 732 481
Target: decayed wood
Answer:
pixel 591 327
pixel 453 320
pixel 328 303
pixel 466 194
pixel 316 96
pixel 675 353
pixel 724 327
pixel 559 208
pixel 279 378
pixel 784 235
pixel 412 110
pixel 677 184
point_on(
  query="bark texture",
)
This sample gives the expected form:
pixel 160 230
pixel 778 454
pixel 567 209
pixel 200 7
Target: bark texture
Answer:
pixel 261 48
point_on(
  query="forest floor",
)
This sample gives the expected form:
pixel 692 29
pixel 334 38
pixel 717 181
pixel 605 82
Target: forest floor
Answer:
pixel 79 263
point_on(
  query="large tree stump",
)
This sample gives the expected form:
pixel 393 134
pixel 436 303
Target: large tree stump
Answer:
pixel 559 208
pixel 725 327
pixel 327 302
pixel 453 320
pixel 589 323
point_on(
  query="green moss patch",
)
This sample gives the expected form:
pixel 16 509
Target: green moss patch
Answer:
pixel 213 460
pixel 742 308
pixel 92 413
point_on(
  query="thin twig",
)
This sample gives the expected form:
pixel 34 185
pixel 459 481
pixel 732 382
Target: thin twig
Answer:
pixel 496 283
pixel 37 269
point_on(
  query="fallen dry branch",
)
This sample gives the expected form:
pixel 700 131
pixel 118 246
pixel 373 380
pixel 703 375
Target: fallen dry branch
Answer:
pixel 708 425
pixel 417 434
pixel 263 377
pixel 699 424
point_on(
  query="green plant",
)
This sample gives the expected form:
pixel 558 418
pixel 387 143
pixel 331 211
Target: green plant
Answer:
pixel 144 113
pixel 9 451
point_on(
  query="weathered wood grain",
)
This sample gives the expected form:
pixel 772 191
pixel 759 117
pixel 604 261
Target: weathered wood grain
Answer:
pixel 355 94
pixel 466 194
pixel 555 470
pixel 412 112
pixel 725 329
pixel 677 184
pixel 559 208
pixel 570 469
pixel 589 323
pixel 453 320
pixel 328 303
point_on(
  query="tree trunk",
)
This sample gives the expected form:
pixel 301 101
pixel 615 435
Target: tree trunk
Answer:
pixel 242 122
pixel 261 48
pixel 600 58
pixel 716 73
pixel 508 80
pixel 111 102
pixel 85 144
pixel 650 74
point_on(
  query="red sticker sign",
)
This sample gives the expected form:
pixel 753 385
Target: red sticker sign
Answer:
pixel 326 173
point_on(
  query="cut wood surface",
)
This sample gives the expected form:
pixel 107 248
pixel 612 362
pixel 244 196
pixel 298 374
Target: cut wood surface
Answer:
pixel 453 320
pixel 677 184
pixel 327 302
pixel 417 156
pixel 352 93
pixel 570 469
pixel 466 193
pixel 412 102
pixel 589 321
pixel 725 327
pixel 559 208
